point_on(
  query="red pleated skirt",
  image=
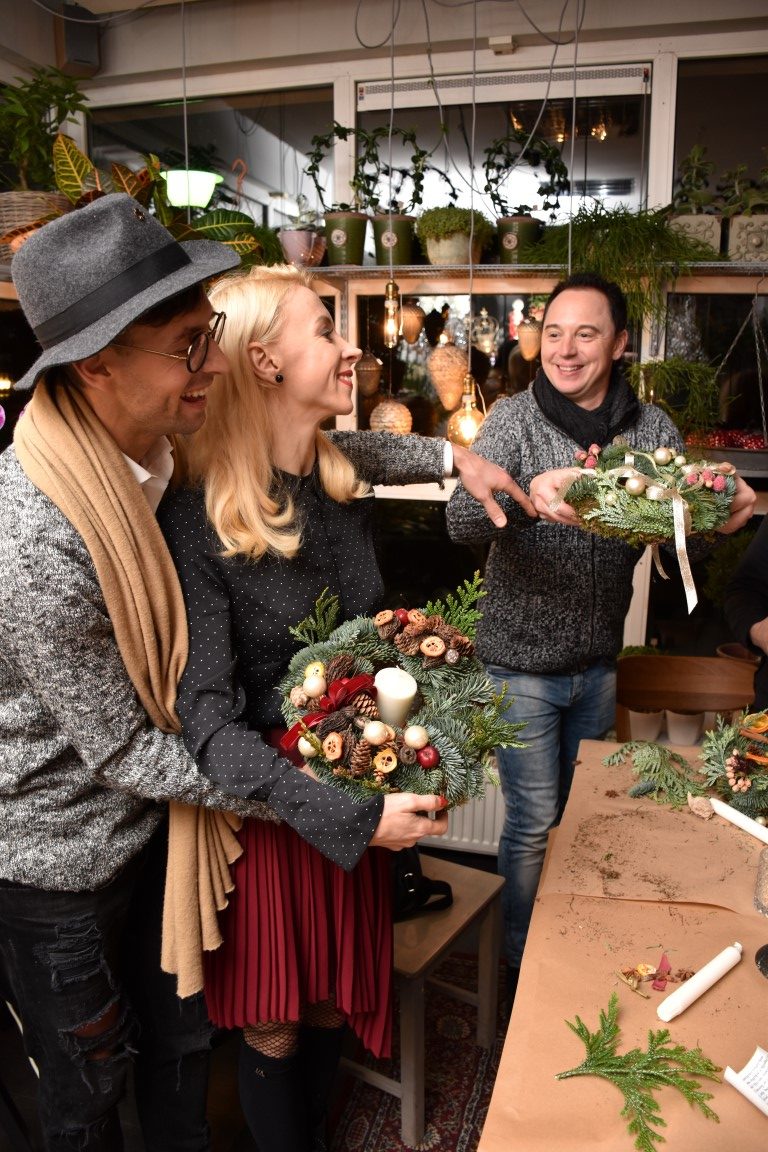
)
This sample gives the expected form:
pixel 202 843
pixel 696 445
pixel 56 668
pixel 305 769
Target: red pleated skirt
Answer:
pixel 299 930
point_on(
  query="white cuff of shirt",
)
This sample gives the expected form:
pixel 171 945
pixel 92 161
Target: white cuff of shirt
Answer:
pixel 447 459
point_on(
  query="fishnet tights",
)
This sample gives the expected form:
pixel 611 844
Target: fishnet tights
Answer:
pixel 280 1038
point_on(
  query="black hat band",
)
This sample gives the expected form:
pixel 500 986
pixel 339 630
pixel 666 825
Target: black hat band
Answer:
pixel 111 295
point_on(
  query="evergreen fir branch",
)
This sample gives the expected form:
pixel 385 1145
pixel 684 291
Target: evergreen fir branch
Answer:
pixel 321 623
pixel 459 611
pixel 669 774
pixel 639 1074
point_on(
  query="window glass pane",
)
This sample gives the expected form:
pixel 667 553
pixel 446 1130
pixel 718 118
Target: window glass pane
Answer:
pixel 268 131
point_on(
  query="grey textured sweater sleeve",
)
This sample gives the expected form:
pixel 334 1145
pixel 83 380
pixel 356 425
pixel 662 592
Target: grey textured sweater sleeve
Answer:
pixel 384 458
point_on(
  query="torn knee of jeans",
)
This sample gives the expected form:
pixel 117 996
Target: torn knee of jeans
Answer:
pixel 76 955
pixel 107 1037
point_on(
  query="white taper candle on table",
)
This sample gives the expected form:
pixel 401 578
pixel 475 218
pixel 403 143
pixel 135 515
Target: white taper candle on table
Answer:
pixel 685 995
pixel 740 819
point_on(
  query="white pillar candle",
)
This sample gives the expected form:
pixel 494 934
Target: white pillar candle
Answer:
pixel 396 692
pixel 738 818
pixel 685 995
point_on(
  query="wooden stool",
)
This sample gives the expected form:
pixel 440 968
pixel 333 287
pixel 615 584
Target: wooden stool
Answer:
pixel 420 945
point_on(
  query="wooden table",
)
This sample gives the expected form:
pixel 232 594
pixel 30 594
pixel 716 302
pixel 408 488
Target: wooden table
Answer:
pixel 421 944
pixel 625 879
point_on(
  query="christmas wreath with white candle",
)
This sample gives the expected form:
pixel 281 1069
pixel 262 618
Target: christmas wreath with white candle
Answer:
pixel 735 762
pixel 397 702
pixel 648 497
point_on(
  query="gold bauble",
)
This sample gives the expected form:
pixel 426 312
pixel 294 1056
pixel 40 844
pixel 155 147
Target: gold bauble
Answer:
pixel 412 321
pixel 662 456
pixel 368 373
pixel 446 368
pixel 390 416
pixel 635 485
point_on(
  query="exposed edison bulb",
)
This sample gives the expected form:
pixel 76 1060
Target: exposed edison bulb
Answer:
pixel 391 314
pixel 6 384
pixel 465 422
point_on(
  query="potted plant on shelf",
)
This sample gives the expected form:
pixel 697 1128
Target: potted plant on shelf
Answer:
pixel 446 234
pixel 79 180
pixel 693 208
pixel 372 179
pixel 303 237
pixel 518 229
pixel 31 111
pixel 744 204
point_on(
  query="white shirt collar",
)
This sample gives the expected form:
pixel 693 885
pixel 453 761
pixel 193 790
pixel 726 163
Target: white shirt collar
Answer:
pixel 153 472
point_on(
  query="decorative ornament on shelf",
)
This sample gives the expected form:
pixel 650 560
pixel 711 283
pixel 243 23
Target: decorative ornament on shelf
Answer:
pixel 446 368
pixel 390 416
pixel 412 320
pixel 465 423
pixel 397 702
pixel 368 372
pixel 484 332
pixel 649 498
pixel 391 314
pixel 529 338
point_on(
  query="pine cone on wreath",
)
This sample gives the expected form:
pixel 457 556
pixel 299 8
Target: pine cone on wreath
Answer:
pixel 339 666
pixel 464 646
pixel 406 643
pixel 360 760
pixel 336 721
pixel 365 704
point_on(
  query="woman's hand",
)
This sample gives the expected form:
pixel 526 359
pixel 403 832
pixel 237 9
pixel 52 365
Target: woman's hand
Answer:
pixel 404 821
pixel 481 478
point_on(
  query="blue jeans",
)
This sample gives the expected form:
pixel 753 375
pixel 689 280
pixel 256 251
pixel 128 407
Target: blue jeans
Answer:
pixel 559 711
pixel 83 971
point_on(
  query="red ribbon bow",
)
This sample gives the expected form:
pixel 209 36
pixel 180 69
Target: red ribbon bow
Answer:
pixel 339 693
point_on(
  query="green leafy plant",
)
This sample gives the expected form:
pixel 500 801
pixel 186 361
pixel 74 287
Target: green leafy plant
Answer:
pixel 439 223
pixel 319 625
pixel 372 176
pixel 664 775
pixel 688 390
pixel 506 153
pixel 637 250
pixel 31 111
pixel 639 1074
pixel 692 195
pixel 740 195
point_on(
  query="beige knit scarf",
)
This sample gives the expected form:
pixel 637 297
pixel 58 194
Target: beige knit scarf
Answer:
pixel 68 454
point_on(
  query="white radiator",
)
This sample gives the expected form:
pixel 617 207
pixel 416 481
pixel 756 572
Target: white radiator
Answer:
pixel 475 827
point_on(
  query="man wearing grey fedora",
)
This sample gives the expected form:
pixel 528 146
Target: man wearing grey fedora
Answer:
pixel 94 640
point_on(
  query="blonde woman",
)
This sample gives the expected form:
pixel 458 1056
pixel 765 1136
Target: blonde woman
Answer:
pixel 277 510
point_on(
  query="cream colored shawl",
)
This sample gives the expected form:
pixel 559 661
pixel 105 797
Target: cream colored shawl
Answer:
pixel 68 454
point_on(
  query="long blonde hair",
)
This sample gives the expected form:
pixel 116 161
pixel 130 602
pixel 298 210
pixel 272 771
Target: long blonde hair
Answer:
pixel 232 455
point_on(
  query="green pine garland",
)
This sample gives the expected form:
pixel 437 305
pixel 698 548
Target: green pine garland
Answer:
pixel 727 741
pixel 639 1074
pixel 458 704
pixel 607 505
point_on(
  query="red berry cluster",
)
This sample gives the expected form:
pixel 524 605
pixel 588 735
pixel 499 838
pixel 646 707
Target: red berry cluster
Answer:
pixel 732 438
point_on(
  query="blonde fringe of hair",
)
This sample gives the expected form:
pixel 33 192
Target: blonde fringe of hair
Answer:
pixel 232 454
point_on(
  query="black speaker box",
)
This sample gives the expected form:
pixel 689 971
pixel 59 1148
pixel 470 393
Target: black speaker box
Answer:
pixel 77 45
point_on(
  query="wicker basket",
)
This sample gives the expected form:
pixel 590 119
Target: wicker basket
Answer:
pixel 20 208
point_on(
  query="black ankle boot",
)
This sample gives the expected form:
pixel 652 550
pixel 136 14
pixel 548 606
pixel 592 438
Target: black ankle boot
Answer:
pixel 273 1100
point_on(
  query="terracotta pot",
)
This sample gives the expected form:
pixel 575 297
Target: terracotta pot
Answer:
pixel 737 652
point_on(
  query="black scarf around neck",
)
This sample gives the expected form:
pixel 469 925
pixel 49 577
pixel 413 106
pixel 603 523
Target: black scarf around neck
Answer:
pixel 618 411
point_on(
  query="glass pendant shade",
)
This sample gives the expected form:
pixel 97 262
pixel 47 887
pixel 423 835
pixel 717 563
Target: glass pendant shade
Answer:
pixel 529 338
pixel 464 424
pixel 485 330
pixel 368 373
pixel 412 319
pixel 446 368
pixel 391 315
pixel 390 416
pixel 187 187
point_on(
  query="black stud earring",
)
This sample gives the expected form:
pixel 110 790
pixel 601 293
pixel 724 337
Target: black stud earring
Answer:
pixel 278 377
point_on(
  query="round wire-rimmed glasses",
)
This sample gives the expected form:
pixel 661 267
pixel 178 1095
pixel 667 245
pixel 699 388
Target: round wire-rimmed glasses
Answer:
pixel 197 353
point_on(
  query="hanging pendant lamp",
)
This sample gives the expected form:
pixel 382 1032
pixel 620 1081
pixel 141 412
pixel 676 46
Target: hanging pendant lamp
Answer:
pixel 390 416
pixel 446 368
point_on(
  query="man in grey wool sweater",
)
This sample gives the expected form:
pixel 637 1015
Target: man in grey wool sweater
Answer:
pixel 129 352
pixel 557 596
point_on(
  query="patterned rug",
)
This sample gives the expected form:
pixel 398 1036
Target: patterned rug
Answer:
pixel 459 1080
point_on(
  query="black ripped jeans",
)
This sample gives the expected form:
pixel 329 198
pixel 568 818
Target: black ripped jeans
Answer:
pixel 83 971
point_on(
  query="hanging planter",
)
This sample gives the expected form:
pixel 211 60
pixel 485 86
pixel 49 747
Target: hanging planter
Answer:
pixel 390 416
pixel 303 247
pixel 446 368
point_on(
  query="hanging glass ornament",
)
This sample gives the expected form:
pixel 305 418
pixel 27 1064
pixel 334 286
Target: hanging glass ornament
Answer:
pixel 368 372
pixel 529 338
pixel 485 330
pixel 390 416
pixel 413 317
pixel 446 368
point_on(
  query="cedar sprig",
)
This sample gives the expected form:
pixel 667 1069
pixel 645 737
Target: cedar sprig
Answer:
pixel 663 774
pixel 459 611
pixel 638 1074
pixel 320 623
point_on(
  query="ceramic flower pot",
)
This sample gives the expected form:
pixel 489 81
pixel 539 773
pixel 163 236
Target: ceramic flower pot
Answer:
pixel 303 247
pixel 516 233
pixel 748 238
pixel 705 228
pixel 684 727
pixel 345 237
pixel 393 239
pixel 453 249
pixel 645 725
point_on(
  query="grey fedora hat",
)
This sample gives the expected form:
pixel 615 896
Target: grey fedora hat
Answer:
pixel 84 277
